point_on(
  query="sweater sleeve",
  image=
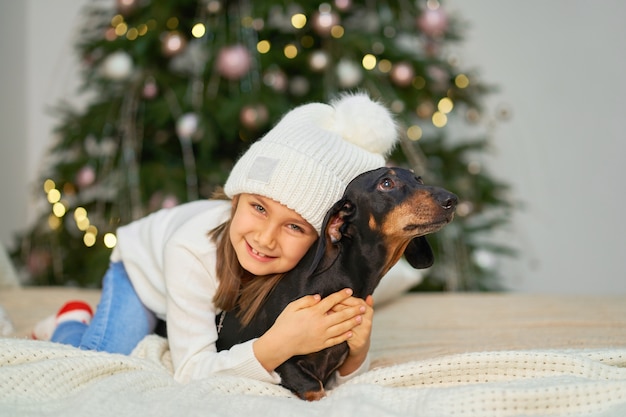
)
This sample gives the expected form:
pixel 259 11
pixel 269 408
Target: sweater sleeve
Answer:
pixel 339 379
pixel 189 266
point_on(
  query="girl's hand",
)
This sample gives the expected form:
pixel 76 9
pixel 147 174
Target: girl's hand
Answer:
pixel 359 343
pixel 307 325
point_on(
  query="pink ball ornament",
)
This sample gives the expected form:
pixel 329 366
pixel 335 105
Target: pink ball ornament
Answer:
pixel 276 79
pixel 402 74
pixel 125 7
pixel 253 116
pixel 38 262
pixel 343 4
pixel 85 176
pixel 433 22
pixel 160 200
pixel 150 89
pixel 213 6
pixel 170 201
pixel 172 43
pixel 110 34
pixel 233 62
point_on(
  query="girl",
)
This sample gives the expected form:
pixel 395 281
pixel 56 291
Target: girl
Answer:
pixel 191 264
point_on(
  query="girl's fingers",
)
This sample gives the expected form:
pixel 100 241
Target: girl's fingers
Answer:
pixel 329 302
pixel 304 302
pixel 344 337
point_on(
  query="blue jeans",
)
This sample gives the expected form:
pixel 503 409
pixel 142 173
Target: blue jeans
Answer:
pixel 120 322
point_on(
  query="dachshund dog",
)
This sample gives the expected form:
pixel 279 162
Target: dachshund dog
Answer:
pixel 382 215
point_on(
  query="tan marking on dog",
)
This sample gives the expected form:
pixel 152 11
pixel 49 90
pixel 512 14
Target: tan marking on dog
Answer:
pixel 419 209
pixel 314 395
pixel 372 222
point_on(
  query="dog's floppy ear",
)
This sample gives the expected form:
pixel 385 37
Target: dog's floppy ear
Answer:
pixel 418 253
pixel 332 229
pixel 336 218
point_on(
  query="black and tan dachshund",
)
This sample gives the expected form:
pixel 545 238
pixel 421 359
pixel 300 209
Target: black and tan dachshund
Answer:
pixel 382 215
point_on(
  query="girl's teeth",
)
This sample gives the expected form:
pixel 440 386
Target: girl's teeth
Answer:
pixel 258 253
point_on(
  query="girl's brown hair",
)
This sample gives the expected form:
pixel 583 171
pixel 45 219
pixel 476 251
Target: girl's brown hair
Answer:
pixel 237 287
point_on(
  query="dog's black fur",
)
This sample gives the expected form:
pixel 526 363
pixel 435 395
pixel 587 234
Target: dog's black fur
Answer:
pixel 383 214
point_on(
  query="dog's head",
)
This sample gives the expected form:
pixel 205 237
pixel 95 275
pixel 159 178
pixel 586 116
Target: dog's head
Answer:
pixel 391 206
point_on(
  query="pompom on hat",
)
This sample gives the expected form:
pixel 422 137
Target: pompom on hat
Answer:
pixel 306 161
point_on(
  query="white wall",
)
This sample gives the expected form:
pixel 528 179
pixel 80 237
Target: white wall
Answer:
pixel 560 67
pixel 13 145
pixel 38 68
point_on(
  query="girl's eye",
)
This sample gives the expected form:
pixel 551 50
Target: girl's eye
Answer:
pixel 259 208
pixel 386 184
pixel 296 228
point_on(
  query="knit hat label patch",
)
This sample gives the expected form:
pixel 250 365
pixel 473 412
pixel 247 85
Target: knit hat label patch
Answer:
pixel 262 169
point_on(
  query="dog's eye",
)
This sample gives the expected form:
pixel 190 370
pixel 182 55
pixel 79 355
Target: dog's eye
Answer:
pixel 419 180
pixel 386 184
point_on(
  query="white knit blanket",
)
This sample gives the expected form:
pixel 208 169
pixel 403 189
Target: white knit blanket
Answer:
pixel 45 379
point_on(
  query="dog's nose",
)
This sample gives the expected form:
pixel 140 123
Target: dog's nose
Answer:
pixel 447 200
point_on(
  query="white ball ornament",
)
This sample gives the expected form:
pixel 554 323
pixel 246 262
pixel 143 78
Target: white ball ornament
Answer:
pixel 276 79
pixel 349 73
pixel 187 125
pixel 299 86
pixel 485 259
pixel 324 21
pixel 117 66
pixel 318 60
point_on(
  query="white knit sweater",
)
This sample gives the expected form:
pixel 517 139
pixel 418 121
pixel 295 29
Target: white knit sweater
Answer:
pixel 171 263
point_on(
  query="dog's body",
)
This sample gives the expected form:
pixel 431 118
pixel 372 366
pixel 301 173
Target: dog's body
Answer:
pixel 383 214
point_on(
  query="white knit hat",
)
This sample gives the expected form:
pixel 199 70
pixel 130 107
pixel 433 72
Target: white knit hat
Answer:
pixel 306 161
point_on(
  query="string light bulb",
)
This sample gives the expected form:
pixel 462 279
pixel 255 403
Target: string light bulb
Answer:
pixel 445 105
pixel 198 30
pixel 369 62
pixel 54 196
pixel 439 119
pixel 110 240
pixel 414 132
pixel 58 209
pixel 298 20
pixel 461 81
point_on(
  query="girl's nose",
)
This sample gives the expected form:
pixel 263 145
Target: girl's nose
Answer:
pixel 266 237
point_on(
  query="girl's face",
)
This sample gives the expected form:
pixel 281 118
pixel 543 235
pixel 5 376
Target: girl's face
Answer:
pixel 268 238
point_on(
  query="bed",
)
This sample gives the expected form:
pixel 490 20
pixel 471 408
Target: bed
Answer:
pixel 433 354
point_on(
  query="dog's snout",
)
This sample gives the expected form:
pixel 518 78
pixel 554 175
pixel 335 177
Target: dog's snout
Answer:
pixel 447 200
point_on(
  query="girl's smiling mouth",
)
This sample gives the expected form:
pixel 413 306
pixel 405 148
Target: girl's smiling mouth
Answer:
pixel 260 256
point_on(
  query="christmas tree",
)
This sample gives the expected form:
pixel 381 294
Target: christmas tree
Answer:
pixel 180 88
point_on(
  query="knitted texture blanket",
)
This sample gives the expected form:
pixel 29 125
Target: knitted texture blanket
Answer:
pixel 46 379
